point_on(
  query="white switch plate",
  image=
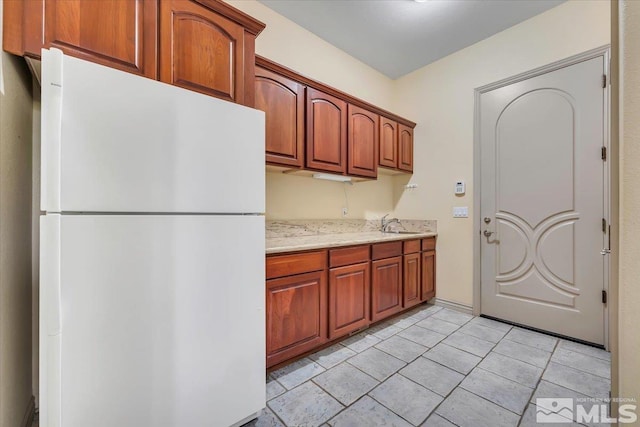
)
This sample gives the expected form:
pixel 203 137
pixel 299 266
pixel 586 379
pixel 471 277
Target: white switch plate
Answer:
pixel 461 212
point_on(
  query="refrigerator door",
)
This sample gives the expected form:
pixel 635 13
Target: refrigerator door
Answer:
pixel 116 142
pixel 152 320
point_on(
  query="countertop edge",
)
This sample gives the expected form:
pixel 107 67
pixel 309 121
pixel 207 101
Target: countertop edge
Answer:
pixel 366 240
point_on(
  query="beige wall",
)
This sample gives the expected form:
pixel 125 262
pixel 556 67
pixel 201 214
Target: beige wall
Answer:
pixel 629 137
pixel 307 198
pixel 15 240
pixel 440 98
pixel 292 46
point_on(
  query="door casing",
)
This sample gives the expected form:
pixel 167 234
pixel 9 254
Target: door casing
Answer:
pixel 603 51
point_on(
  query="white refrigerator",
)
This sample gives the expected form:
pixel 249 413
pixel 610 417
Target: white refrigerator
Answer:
pixel 152 252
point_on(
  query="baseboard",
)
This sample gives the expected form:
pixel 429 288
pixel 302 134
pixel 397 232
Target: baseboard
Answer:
pixel 29 414
pixel 452 305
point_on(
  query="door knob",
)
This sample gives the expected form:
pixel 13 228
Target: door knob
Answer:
pixel 488 234
pixel 487 220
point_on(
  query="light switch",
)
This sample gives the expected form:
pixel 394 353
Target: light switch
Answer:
pixel 461 212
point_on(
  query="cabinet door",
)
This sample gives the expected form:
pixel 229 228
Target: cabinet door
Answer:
pixel 348 299
pixel 116 33
pixel 282 100
pixel 411 279
pixel 388 143
pixel 405 148
pixel 428 290
pixel 296 315
pixel 363 139
pixel 326 132
pixel 386 287
pixel 201 50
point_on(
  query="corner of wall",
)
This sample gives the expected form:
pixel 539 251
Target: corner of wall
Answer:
pixel 16 111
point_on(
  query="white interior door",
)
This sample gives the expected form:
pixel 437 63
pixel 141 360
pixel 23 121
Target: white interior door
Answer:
pixel 542 201
pixel 151 320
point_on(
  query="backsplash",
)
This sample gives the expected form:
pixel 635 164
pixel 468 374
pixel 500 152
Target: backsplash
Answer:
pixel 313 227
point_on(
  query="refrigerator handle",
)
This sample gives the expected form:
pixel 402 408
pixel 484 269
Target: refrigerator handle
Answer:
pixel 51 117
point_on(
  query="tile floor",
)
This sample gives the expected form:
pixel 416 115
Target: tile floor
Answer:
pixel 433 367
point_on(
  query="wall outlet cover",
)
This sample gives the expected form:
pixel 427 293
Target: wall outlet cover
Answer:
pixel 461 212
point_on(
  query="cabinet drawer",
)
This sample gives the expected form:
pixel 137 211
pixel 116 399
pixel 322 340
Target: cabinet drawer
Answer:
pixel 287 265
pixel 386 250
pixel 429 244
pixel 347 256
pixel 411 246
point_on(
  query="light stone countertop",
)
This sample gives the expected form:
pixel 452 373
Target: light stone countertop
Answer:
pixel 303 243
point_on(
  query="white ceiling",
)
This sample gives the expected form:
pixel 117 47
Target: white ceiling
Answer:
pixel 399 36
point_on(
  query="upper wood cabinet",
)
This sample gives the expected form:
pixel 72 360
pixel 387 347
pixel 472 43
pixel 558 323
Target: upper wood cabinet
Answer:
pixel 344 135
pixel 363 138
pixel 202 45
pixel 326 132
pixel 282 100
pixel 201 50
pixel 120 34
pixel 405 148
pixel 388 143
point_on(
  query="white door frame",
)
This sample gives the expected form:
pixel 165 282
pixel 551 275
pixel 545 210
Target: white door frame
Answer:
pixel 603 51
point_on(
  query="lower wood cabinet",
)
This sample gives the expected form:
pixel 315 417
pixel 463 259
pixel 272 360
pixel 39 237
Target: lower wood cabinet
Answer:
pixel 349 298
pixel 428 283
pixel 318 296
pixel 411 280
pixel 296 315
pixel 386 287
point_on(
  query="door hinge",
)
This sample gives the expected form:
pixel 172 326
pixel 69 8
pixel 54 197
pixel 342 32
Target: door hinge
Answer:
pixel 604 297
pixel 603 153
pixel 604 225
pixel 604 81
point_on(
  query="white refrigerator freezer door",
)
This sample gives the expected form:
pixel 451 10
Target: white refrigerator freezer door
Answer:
pixel 116 142
pixel 162 320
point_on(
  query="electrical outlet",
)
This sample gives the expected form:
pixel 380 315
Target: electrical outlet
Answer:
pixel 345 212
pixel 461 212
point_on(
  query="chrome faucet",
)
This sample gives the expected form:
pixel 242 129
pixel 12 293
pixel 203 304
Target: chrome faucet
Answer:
pixel 384 223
